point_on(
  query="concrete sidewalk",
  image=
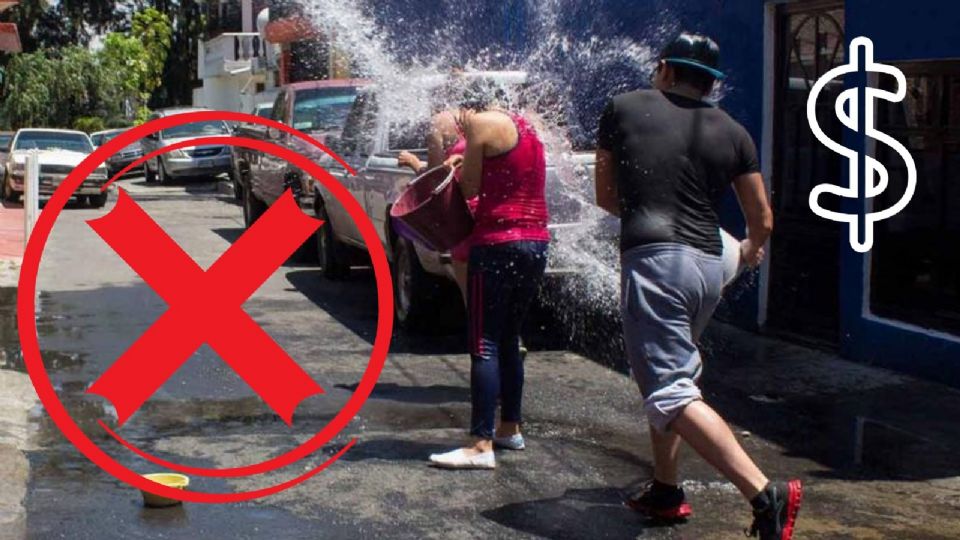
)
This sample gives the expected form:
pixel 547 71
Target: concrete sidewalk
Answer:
pixel 12 243
pixel 17 396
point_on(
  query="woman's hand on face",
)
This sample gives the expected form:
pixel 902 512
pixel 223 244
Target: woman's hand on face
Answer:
pixel 408 159
pixel 454 161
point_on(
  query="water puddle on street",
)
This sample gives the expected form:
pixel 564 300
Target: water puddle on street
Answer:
pixel 67 492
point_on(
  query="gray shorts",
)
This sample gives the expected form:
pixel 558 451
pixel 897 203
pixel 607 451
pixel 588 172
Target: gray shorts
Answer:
pixel 669 293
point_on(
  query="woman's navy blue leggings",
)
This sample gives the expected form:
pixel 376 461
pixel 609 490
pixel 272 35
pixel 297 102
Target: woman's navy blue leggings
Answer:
pixel 502 282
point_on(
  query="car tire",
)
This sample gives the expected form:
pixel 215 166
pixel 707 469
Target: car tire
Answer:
pixel 237 185
pixel 149 175
pixel 98 201
pixel 253 208
pixel 416 293
pixel 162 177
pixel 331 254
pixel 9 194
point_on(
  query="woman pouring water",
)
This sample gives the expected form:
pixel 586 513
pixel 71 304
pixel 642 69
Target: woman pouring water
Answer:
pixel 444 141
pixel 503 164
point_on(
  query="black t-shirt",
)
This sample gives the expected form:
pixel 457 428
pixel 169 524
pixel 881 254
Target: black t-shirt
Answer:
pixel 674 158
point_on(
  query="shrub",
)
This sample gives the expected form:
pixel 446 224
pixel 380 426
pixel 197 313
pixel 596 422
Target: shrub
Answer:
pixel 89 124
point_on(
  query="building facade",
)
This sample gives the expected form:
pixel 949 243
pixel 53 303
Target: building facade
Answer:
pixel 236 65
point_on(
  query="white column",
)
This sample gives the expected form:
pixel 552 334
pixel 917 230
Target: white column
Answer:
pixel 31 192
pixel 247 15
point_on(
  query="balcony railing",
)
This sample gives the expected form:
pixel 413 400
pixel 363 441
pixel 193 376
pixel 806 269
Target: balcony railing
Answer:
pixel 230 53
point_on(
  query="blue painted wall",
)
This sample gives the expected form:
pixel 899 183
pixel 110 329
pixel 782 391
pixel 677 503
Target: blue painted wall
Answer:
pixel 901 31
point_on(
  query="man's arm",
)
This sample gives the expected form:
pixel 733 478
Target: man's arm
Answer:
pixel 756 210
pixel 606 184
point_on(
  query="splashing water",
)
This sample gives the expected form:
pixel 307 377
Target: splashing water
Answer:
pixel 571 75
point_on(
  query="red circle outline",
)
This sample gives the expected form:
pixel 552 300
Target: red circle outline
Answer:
pixel 31 347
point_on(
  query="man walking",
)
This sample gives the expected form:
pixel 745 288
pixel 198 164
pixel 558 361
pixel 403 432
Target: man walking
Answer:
pixel 664 159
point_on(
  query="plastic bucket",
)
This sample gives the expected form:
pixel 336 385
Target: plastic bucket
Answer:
pixel 433 209
pixel 732 263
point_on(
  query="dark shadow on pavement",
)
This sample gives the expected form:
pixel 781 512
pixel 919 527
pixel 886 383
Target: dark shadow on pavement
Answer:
pixel 231 235
pixel 353 303
pixel 424 395
pixel 393 450
pixel 578 513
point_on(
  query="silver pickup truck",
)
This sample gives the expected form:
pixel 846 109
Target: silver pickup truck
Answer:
pixel 370 143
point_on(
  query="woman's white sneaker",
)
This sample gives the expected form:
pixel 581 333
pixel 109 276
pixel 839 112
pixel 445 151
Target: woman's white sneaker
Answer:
pixel 460 459
pixel 513 442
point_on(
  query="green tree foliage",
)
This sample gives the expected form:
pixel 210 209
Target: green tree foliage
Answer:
pixel 155 32
pixel 59 87
pixel 28 95
pixel 89 124
pixel 46 24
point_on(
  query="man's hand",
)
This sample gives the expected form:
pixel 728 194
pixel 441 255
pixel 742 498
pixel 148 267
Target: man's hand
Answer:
pixel 751 254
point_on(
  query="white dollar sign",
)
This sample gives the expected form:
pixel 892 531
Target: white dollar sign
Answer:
pixel 873 168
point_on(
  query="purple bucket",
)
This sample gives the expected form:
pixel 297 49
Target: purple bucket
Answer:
pixel 434 211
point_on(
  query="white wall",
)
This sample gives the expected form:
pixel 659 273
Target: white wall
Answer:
pixel 223 93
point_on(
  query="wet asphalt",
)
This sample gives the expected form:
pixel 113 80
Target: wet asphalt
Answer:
pixel 877 450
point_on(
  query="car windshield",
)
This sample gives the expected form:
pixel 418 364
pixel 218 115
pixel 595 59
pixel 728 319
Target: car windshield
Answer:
pixel 101 139
pixel 5 142
pixel 197 129
pixel 53 140
pixel 323 109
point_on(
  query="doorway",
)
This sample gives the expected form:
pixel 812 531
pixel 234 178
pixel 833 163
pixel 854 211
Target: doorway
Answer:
pixel 803 297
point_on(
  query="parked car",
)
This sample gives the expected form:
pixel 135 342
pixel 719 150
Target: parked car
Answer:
pixel 253 131
pixel 206 161
pixel 6 137
pixel 121 159
pixel 60 151
pixel 318 108
pixel 263 110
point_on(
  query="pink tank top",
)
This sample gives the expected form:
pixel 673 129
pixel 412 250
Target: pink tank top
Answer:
pixel 513 205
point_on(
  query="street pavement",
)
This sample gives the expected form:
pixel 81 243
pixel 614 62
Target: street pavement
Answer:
pixel 876 449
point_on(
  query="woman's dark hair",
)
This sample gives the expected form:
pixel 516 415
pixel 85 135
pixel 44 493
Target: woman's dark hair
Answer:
pixel 697 78
pixel 481 94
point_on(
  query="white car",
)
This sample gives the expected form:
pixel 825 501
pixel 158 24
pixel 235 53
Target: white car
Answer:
pixel 59 152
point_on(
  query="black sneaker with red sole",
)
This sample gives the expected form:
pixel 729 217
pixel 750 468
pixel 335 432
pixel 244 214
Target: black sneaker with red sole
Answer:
pixel 661 504
pixel 776 521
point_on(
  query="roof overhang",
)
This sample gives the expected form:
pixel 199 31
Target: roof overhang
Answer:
pixel 9 38
pixel 290 29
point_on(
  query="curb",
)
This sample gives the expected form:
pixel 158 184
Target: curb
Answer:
pixel 225 187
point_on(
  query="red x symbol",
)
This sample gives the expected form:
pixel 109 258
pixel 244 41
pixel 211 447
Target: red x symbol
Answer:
pixel 205 307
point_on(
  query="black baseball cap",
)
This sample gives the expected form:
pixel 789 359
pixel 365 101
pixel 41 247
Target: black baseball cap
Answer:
pixel 696 51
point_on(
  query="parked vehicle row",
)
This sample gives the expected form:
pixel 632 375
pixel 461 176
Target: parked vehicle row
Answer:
pixel 353 125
